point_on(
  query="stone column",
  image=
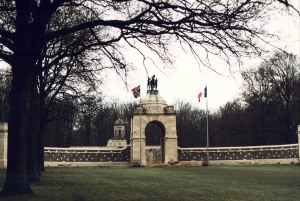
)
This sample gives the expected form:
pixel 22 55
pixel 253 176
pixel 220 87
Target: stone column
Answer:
pixel 299 141
pixel 3 145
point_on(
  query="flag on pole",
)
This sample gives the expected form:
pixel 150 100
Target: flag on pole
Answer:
pixel 136 91
pixel 200 94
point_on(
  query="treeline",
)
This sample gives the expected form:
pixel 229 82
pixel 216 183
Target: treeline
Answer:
pixel 92 126
pixel 267 113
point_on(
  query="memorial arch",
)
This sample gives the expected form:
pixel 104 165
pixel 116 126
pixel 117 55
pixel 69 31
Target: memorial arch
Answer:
pixel 153 131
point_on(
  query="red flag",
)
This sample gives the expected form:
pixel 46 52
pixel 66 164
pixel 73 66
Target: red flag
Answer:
pixel 199 96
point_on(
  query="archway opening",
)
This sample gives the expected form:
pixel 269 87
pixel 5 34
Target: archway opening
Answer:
pixel 155 142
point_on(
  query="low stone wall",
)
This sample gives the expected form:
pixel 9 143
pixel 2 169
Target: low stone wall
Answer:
pixel 256 154
pixel 89 155
pixel 101 156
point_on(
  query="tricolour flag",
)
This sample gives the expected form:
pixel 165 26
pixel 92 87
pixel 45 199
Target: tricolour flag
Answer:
pixel 136 91
pixel 200 94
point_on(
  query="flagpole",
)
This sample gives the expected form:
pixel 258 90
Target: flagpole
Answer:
pixel 140 131
pixel 207 136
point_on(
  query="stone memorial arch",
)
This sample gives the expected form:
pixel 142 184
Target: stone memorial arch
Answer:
pixel 153 131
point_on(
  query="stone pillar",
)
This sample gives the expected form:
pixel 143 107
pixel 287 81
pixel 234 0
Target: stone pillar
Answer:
pixel 299 141
pixel 3 145
pixel 135 151
pixel 171 150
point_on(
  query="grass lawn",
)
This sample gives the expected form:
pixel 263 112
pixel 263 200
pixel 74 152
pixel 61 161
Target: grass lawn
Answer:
pixel 168 183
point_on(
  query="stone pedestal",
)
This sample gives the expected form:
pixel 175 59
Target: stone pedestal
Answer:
pixel 3 145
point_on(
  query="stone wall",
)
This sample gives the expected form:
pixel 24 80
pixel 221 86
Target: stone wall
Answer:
pixel 89 156
pixel 86 154
pixel 290 151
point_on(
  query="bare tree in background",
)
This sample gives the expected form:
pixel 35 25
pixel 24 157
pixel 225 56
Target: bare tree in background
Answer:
pixel 272 95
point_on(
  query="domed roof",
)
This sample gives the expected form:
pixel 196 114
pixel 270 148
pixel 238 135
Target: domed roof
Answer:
pixel 119 122
pixel 152 102
pixel 153 97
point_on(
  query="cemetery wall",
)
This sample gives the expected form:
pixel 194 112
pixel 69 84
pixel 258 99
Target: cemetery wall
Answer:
pixel 275 154
pixel 95 156
pixel 87 156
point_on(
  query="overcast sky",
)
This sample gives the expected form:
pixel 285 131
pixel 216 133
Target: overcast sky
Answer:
pixel 187 79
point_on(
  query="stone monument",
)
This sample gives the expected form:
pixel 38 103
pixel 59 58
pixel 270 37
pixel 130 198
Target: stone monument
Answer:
pixel 153 129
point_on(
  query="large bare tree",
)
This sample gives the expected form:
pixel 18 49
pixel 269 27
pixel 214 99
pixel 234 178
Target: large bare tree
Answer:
pixel 27 27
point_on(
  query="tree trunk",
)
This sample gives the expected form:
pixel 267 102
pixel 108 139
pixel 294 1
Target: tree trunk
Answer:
pixel 40 137
pixel 88 130
pixel 16 180
pixel 40 140
pixel 33 128
pixel 22 70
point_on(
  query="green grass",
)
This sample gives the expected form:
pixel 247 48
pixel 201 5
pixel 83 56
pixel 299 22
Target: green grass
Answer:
pixel 169 183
